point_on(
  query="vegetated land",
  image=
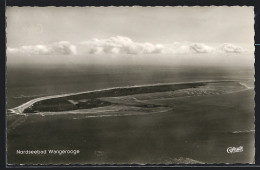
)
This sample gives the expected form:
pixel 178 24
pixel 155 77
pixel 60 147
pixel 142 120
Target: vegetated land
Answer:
pixel 93 101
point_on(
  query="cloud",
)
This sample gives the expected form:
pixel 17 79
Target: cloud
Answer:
pixel 186 48
pixel 59 48
pixel 200 48
pixel 119 45
pixel 230 48
pixel 125 45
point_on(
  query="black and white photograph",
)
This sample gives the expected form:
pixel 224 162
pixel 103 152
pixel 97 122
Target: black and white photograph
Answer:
pixel 130 85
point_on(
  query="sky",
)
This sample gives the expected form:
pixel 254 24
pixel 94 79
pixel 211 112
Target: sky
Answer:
pixel 33 32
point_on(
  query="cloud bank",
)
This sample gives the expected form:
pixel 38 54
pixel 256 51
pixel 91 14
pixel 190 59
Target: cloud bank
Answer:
pixel 120 45
pixel 125 45
pixel 58 48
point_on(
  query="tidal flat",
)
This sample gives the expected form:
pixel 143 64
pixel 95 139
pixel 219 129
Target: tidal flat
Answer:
pixel 194 123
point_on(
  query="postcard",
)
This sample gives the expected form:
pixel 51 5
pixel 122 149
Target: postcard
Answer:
pixel 130 85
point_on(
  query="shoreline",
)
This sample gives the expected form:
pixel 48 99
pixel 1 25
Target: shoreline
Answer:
pixel 19 109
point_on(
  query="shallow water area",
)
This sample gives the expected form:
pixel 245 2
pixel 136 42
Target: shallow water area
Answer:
pixel 180 125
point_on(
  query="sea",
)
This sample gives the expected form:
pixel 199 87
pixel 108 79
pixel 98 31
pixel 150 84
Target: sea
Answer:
pixel 25 82
pixel 199 129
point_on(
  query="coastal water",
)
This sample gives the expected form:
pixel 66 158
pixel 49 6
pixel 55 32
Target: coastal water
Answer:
pixel 196 129
pixel 27 83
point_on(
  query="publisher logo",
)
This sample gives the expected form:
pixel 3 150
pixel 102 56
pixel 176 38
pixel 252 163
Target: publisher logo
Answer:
pixel 235 149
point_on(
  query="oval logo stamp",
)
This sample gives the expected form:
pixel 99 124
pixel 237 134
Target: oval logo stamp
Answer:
pixel 235 149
